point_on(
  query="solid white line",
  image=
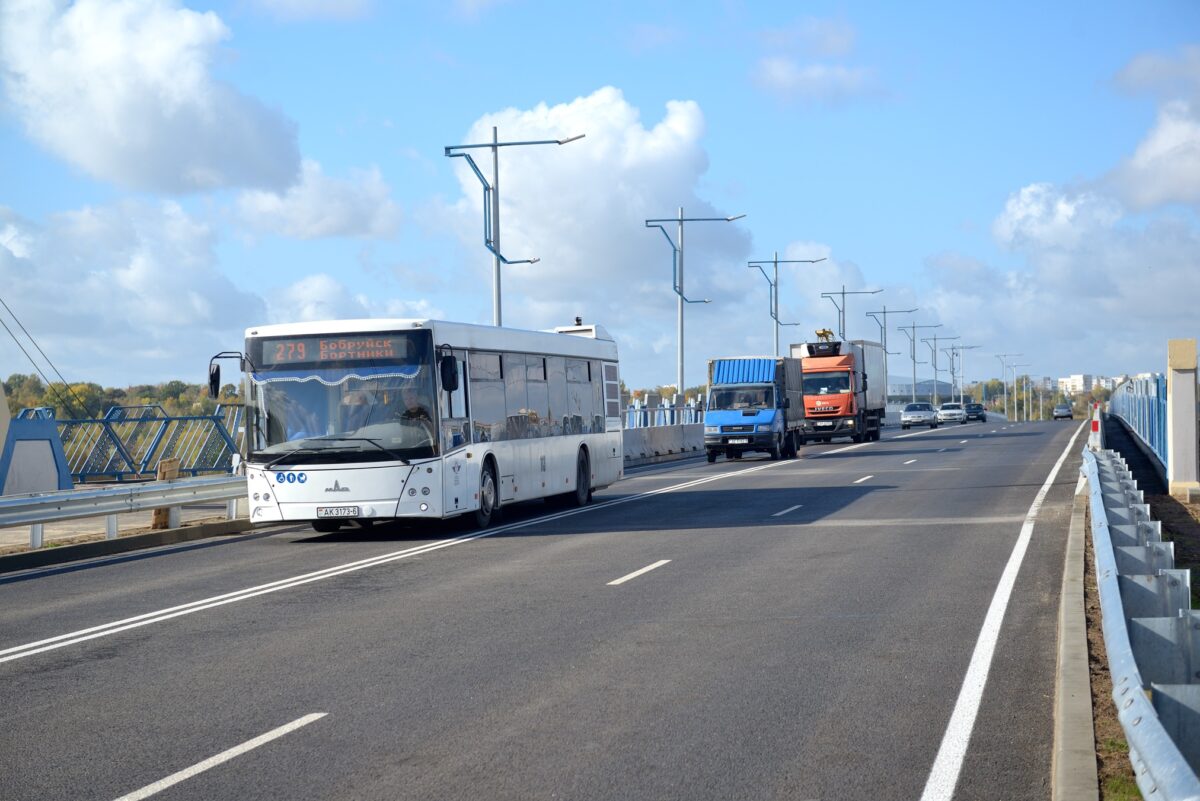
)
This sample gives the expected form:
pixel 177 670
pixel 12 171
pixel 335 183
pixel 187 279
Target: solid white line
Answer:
pixel 993 431
pixel 637 573
pixel 910 461
pixel 864 478
pixel 224 756
pixel 789 509
pixel 103 630
pixel 946 767
pixel 962 442
pixel 941 450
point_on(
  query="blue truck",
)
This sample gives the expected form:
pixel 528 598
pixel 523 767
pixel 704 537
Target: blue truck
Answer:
pixel 755 403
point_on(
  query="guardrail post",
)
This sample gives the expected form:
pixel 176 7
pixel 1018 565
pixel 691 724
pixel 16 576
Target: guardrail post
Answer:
pixel 173 517
pixel 231 510
pixel 110 527
pixel 35 535
pixel 1183 471
pixel 1096 437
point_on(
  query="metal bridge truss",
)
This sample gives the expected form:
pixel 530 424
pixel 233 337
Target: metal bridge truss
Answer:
pixel 130 441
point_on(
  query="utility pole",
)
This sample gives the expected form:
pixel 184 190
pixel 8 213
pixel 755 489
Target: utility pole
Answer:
pixel 912 350
pixel 883 338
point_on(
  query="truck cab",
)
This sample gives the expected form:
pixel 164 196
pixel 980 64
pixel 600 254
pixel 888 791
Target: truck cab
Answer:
pixel 754 404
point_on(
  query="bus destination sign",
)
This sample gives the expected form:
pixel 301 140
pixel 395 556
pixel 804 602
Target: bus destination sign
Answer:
pixel 318 350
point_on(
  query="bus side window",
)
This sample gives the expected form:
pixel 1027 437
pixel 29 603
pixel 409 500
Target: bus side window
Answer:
pixel 579 398
pixel 516 399
pixel 487 398
pixel 539 397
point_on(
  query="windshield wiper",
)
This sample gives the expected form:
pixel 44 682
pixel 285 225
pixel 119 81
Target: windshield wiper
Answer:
pixel 374 442
pixel 289 454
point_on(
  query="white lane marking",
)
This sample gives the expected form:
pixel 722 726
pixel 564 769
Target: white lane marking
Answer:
pixel 103 630
pixel 864 478
pixel 637 573
pixel 910 461
pixel 941 450
pixel 993 431
pixel 946 767
pixel 224 756
pixel 789 509
pixel 962 442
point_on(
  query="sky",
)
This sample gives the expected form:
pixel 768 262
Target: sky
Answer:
pixel 1026 175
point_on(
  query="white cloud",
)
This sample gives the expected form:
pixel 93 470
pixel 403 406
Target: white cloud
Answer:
pixel 122 90
pixel 1167 77
pixel 315 9
pixel 320 206
pixel 821 83
pixel 818 36
pixel 1165 168
pixel 581 208
pixel 124 293
pixel 1042 216
pixel 323 297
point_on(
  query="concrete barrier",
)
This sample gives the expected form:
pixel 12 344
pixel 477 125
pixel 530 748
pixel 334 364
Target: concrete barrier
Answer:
pixel 662 443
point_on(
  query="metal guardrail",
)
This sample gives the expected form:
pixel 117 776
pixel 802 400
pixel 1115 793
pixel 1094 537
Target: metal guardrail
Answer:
pixel 1142 404
pixel 1151 634
pixel 37 509
pixel 130 441
pixel 640 415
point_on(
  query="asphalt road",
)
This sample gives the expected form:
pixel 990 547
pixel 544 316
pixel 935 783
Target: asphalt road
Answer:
pixel 804 632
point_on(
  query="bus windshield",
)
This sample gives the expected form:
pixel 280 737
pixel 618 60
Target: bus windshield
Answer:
pixel 345 402
pixel 742 397
pixel 826 383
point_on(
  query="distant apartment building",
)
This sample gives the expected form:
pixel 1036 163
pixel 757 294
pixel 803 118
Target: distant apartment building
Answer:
pixel 1074 384
pixel 1105 383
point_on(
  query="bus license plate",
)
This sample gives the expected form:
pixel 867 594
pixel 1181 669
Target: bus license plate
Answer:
pixel 739 441
pixel 337 511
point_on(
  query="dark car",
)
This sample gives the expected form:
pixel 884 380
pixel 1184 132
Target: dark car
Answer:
pixel 1063 412
pixel 975 412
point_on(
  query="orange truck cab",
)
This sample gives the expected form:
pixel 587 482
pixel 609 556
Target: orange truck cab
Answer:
pixel 844 389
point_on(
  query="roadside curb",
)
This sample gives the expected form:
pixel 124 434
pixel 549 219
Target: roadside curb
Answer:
pixel 90 550
pixel 1074 758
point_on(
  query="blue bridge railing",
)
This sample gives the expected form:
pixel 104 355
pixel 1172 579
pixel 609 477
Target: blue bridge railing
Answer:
pixel 130 441
pixel 1142 403
pixel 641 415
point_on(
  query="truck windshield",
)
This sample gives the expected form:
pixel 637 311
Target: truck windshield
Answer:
pixel 826 383
pixel 742 397
pixel 372 409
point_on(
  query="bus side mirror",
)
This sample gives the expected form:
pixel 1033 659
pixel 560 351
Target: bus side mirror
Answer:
pixel 448 366
pixel 214 380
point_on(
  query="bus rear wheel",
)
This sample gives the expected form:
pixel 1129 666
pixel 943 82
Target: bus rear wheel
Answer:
pixel 583 480
pixel 487 496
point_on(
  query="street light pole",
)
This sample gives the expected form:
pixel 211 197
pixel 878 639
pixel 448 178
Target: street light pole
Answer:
pixel 1018 392
pixel 933 396
pixel 962 379
pixel 677 275
pixel 1004 377
pixel 883 338
pixel 912 349
pixel 773 299
pixel 491 203
pixel 842 309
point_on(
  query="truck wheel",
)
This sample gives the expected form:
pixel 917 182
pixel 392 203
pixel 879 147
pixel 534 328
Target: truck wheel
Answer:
pixel 712 456
pixel 792 450
pixel 856 437
pixel 776 450
pixel 904 426
pixel 736 455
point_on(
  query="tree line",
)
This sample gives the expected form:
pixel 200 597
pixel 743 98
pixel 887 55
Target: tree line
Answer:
pixel 87 400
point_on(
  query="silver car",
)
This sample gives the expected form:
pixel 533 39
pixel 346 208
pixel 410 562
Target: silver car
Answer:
pixel 952 413
pixel 918 414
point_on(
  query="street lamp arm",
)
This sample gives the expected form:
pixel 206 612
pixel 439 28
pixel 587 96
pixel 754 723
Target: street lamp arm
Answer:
pixel 490 145
pixel 488 240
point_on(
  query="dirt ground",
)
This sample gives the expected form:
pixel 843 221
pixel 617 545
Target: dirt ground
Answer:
pixel 59 542
pixel 1181 525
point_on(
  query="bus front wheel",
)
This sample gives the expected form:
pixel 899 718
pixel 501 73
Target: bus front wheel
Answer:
pixel 487 496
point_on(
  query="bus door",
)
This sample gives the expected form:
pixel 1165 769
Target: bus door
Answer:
pixel 460 473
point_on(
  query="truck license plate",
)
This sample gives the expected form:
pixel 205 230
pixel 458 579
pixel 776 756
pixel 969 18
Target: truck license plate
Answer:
pixel 337 511
pixel 824 425
pixel 739 441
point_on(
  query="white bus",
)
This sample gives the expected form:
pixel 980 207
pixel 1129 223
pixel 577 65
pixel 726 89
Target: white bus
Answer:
pixel 365 420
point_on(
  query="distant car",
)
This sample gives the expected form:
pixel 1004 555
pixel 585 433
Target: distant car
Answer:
pixel 918 414
pixel 975 412
pixel 1063 412
pixel 951 413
